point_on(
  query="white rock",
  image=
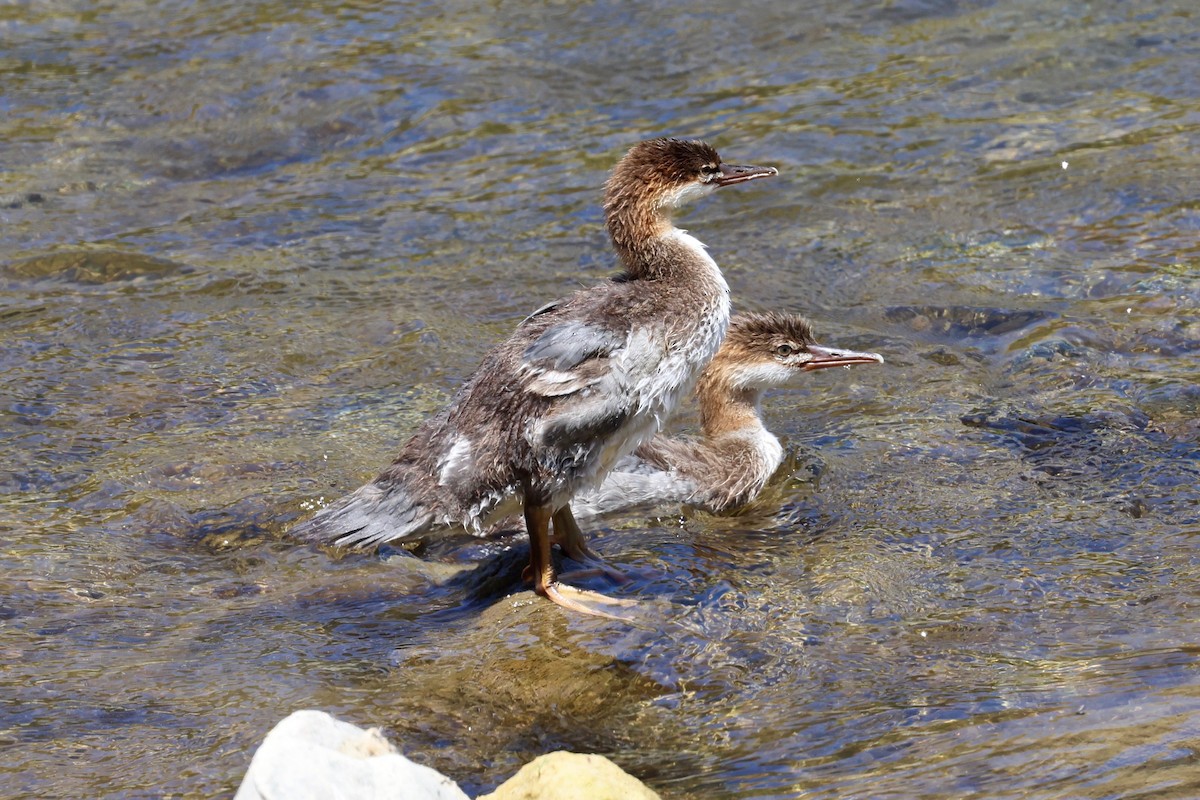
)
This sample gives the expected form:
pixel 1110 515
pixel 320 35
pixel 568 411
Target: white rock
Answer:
pixel 312 756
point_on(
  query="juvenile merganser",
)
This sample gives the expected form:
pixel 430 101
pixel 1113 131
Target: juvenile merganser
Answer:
pixel 735 455
pixel 582 382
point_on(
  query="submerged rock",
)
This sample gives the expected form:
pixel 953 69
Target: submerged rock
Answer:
pixel 91 267
pixel 965 322
pixel 1037 431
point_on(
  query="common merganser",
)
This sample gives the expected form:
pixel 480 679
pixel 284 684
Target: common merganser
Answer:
pixel 582 382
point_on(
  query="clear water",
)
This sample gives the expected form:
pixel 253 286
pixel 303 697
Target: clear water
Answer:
pixel 248 246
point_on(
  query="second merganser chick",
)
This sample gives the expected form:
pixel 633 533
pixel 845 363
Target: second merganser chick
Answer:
pixel 581 383
pixel 735 455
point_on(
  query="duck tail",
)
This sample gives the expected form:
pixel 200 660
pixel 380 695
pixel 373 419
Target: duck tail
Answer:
pixel 369 516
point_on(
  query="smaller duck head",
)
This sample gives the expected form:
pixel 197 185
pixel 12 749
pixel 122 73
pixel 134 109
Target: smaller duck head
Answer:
pixel 762 351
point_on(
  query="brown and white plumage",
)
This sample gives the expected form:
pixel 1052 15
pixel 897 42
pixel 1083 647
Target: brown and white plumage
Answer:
pixel 735 456
pixel 580 383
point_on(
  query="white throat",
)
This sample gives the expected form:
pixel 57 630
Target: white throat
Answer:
pixel 688 193
pixel 699 252
pixel 762 375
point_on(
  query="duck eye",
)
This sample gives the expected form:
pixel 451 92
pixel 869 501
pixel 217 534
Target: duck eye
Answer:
pixel 784 350
pixel 708 170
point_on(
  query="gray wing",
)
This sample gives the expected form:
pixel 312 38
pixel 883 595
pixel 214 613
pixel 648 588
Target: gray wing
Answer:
pixel 578 362
pixel 569 356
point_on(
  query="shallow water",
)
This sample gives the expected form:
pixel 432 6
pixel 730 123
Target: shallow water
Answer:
pixel 248 246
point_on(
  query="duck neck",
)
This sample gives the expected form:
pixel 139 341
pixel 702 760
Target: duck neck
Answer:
pixel 744 454
pixel 649 244
pixel 725 410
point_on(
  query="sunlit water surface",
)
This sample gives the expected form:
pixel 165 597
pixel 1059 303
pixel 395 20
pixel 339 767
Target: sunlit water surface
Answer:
pixel 249 245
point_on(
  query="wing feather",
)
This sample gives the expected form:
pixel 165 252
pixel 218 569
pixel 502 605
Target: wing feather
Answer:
pixel 569 356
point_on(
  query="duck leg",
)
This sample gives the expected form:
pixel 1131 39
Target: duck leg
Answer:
pixel 541 570
pixel 570 538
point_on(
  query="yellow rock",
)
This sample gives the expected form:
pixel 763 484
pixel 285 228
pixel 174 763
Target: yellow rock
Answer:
pixel 571 776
